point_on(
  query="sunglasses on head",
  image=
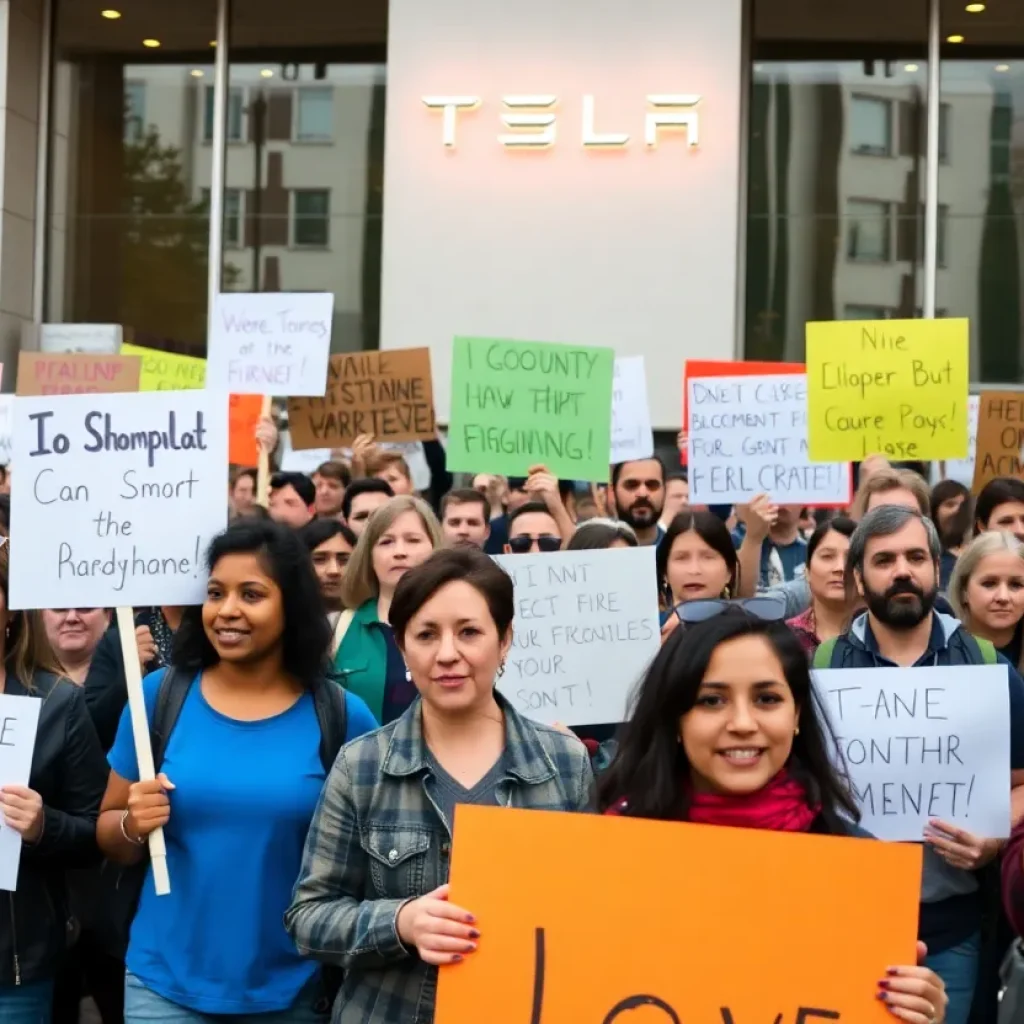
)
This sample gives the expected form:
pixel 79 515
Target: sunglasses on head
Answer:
pixel 765 608
pixel 522 544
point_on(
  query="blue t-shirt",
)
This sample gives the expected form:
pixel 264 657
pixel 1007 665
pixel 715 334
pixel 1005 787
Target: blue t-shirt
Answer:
pixel 243 800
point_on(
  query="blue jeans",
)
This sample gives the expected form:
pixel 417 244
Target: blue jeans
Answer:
pixel 143 1006
pixel 27 1004
pixel 958 968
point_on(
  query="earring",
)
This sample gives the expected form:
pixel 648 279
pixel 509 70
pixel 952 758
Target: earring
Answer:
pixel 797 733
pixel 501 670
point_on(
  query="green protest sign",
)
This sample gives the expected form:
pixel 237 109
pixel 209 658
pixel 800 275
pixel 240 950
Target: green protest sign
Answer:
pixel 519 403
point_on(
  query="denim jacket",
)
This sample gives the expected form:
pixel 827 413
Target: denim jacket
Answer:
pixel 378 840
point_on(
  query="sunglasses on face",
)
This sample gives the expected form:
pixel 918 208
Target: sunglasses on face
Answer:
pixel 522 544
pixel 765 608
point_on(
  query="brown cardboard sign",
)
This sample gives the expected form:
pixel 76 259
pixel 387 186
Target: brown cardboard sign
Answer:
pixel 1000 437
pixel 76 374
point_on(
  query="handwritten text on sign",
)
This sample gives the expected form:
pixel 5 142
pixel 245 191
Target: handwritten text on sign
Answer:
pixel 118 499
pixel 632 437
pixel 923 743
pixel 517 404
pixel 19 720
pixel 76 374
pixel 167 371
pixel 270 344
pixel 888 387
pixel 586 628
pixel 1000 437
pixel 748 436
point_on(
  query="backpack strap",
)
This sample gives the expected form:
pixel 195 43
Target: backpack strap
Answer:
pixel 987 649
pixel 170 699
pixel 340 629
pixel 824 654
pixel 332 715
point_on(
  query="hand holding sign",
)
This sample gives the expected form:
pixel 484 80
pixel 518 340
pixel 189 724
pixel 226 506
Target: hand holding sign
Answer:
pixel 23 811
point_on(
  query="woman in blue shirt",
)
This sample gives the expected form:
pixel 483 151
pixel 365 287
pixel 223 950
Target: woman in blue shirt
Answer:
pixel 241 773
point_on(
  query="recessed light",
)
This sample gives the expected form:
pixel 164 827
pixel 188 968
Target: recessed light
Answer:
pixel 213 42
pixel 911 67
pixel 196 73
pixel 974 8
pixel 110 15
pixel 1002 67
pixel 266 73
pixel 954 39
pixel 151 43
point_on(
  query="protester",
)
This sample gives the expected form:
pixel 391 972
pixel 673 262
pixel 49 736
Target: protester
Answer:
pixel 891 487
pixel 399 536
pixel 639 490
pixel 495 490
pixel 73 634
pixel 595 534
pixel 677 497
pixel 362 498
pixel 370 460
pixel 952 512
pixel 330 480
pixel 257 726
pixel 893 563
pixel 531 529
pixel 1000 506
pixel 783 551
pixel 516 494
pixel 243 492
pixel 330 545
pixel 465 517
pixel 376 902
pixel 726 731
pixel 292 499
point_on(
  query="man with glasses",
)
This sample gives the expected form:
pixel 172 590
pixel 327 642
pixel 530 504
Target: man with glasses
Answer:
pixel 532 528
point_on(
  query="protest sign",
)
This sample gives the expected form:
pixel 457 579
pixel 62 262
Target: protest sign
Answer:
pixel 97 339
pixel 6 428
pixel 244 412
pixel 923 743
pixel 167 371
pixel 586 628
pixel 896 388
pixel 747 435
pixel 76 374
pixel 19 720
pixel 270 343
pixel 814 944
pixel 517 404
pixel 118 499
pixel 962 470
pixel 632 436
pixel 1000 437
pixel 305 461
pixel 386 394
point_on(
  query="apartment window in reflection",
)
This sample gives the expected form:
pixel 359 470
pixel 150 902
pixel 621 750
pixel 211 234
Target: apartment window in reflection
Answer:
pixel 314 114
pixel 311 218
pixel 234 213
pixel 871 126
pixel 868 231
pixel 852 311
pixel 237 114
pixel 134 111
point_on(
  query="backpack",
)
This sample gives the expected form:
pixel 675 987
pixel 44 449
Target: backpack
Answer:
pixel 825 656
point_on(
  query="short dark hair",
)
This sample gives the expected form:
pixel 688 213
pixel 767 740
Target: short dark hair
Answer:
pixel 320 531
pixel 681 474
pixel 239 473
pixel 466 496
pixel 997 492
pixel 364 485
pixel 525 510
pixel 841 524
pixel 305 636
pixel 597 534
pixel 334 470
pixel 619 466
pixel 517 483
pixel 298 482
pixel 451 565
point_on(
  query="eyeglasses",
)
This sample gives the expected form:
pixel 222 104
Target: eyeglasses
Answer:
pixel 521 545
pixel 766 608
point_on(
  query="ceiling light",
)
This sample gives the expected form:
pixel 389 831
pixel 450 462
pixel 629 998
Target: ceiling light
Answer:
pixel 151 43
pixel 911 67
pixel 266 73
pixel 1002 67
pixel 974 8
pixel 213 42
pixel 110 15
pixel 196 73
pixel 954 39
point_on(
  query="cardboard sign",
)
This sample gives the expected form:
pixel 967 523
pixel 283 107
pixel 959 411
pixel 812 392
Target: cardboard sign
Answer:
pixel 387 394
pixel 632 436
pixel 896 388
pixel 270 344
pixel 19 720
pixel 812 945
pixel 516 404
pixel 586 628
pixel 41 374
pixel 243 418
pixel 962 470
pixel 747 435
pixel 922 743
pixel 1000 437
pixel 167 371
pixel 97 339
pixel 119 496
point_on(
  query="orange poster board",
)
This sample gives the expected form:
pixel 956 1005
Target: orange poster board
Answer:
pixel 243 416
pixel 1000 437
pixel 761 923
pixel 60 373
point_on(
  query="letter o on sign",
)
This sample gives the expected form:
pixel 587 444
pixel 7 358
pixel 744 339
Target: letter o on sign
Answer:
pixel 633 1002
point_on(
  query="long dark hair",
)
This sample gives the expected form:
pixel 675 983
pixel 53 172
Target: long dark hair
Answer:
pixel 650 769
pixel 958 529
pixel 306 635
pixel 713 532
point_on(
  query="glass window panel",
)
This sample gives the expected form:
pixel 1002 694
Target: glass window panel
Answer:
pixel 871 125
pixel 868 230
pixel 236 115
pixel 135 111
pixel 314 115
pixel 311 217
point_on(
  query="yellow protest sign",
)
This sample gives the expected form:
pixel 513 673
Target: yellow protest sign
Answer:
pixel 887 387
pixel 167 371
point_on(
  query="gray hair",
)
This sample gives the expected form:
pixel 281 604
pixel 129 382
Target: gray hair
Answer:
pixel 884 521
pixel 985 544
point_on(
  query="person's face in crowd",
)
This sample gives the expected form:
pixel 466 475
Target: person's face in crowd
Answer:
pixel 788 517
pixel 243 614
pixel 739 734
pixel 1008 517
pixel 994 595
pixel 872 466
pixel 947 510
pixel 640 493
pixel 897 496
pixel 585 509
pixel 329 495
pixel 393 474
pixel 825 572
pixel 330 560
pixel 677 499
pixel 807 523
pixel 516 499
pixel 466 523
pixel 288 508
pixel 403 546
pixel 243 494
pixel 533 532
pixel 899 582
pixel 74 632
pixel 696 571
pixel 363 506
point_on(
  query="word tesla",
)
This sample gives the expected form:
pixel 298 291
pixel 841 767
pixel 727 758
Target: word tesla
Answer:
pixel 537 128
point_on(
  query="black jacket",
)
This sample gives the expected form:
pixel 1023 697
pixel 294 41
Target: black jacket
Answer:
pixel 70 773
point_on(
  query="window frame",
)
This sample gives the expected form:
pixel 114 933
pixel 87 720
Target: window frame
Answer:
pixel 293 220
pixel 890 126
pixel 206 121
pixel 314 140
pixel 888 254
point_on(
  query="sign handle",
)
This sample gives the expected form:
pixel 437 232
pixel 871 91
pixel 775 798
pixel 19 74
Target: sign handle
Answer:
pixel 263 472
pixel 143 747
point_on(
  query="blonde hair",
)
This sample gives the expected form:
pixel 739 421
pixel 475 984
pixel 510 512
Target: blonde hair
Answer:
pixel 992 543
pixel 28 650
pixel 360 583
pixel 886 480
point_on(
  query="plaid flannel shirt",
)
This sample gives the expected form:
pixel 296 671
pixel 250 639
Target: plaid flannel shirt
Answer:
pixel 378 840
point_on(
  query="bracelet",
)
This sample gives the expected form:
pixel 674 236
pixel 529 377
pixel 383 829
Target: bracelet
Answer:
pixel 124 831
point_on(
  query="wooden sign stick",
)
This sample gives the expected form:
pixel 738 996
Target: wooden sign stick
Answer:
pixel 140 731
pixel 263 472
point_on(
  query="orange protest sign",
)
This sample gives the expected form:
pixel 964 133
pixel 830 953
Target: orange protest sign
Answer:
pixel 243 415
pixel 62 373
pixel 723 926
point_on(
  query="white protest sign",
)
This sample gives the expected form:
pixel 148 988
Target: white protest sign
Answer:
pixel 962 470
pixel 6 428
pixel 748 436
pixel 586 628
pixel 270 343
pixel 923 743
pixel 118 498
pixel 19 720
pixel 94 339
pixel 306 461
pixel 632 437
